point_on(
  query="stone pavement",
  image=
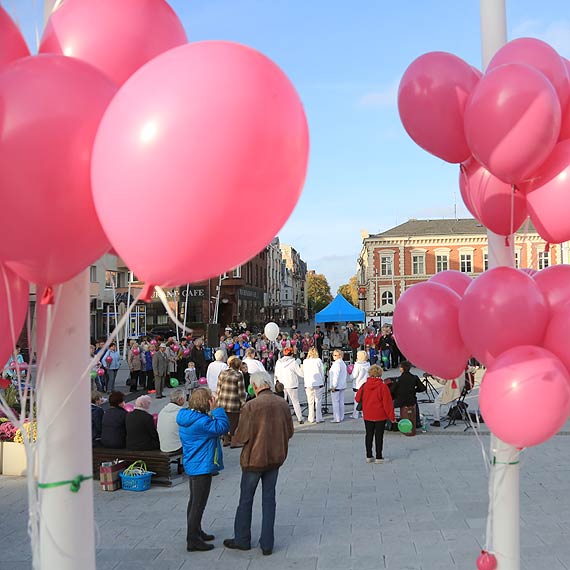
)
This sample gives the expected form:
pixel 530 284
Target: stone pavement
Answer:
pixel 425 509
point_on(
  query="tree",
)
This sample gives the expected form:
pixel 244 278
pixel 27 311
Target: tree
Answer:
pixel 318 292
pixel 350 291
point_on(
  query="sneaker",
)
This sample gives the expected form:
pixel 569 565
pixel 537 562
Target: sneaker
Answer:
pixel 435 424
pixel 378 461
pixel 369 460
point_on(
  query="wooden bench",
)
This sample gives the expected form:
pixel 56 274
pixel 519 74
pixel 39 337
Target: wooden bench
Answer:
pixel 159 462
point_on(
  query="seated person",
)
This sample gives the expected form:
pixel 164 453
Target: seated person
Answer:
pixel 113 430
pixel 167 427
pixel 141 433
pixel 97 414
pixel 404 392
pixel 451 391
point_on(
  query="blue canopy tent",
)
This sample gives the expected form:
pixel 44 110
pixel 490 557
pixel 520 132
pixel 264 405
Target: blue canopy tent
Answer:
pixel 340 310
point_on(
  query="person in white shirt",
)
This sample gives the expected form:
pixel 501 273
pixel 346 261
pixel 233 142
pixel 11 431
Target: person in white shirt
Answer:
pixel 337 382
pixel 252 364
pixel 314 379
pixel 214 370
pixel 359 376
pixel 288 371
pixel 167 427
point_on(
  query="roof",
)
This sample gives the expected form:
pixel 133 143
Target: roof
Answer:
pixel 442 227
pixel 339 310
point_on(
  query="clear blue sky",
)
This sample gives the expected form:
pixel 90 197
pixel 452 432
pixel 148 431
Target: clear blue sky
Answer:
pixel 346 59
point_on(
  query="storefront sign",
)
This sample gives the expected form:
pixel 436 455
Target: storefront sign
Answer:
pixel 250 294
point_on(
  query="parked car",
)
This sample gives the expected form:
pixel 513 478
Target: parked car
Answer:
pixel 162 331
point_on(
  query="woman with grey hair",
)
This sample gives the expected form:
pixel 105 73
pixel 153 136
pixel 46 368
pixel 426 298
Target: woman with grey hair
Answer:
pixel 167 427
pixel 141 433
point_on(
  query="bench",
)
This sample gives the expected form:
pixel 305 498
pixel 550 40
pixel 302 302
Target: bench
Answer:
pixel 159 462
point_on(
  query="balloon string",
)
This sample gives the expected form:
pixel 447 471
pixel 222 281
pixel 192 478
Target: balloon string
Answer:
pixel 162 296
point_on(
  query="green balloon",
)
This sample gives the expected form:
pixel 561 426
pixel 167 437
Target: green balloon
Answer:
pixel 173 382
pixel 405 426
pixel 93 375
pixel 250 390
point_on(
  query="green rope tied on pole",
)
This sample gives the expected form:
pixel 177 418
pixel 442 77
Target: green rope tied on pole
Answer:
pixel 75 484
pixel 495 462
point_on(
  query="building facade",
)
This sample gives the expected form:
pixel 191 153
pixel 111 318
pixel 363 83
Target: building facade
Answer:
pixel 298 268
pixel 414 251
pixel 274 276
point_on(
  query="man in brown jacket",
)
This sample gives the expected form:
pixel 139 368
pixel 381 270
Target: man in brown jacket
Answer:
pixel 265 428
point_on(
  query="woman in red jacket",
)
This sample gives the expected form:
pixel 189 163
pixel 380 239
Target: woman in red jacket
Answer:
pixel 377 407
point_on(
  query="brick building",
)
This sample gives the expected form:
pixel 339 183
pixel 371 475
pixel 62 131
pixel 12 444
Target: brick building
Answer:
pixel 412 252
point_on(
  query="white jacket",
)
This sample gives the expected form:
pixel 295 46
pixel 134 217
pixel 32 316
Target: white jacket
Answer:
pixel 168 428
pixel 253 365
pixel 214 369
pixel 360 374
pixel 313 372
pixel 337 375
pixel 287 371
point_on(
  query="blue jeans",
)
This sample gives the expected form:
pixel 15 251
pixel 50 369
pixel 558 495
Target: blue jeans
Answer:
pixel 111 375
pixel 242 524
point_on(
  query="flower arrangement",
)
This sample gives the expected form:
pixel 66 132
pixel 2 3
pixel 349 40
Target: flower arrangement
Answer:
pixel 31 429
pixel 7 430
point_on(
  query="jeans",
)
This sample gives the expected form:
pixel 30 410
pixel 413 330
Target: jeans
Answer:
pixel 199 493
pixel 242 524
pixel 386 355
pixel 374 430
pixel 111 375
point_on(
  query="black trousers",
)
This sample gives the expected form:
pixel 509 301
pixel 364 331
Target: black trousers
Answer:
pixel 374 430
pixel 199 493
pixel 136 377
pixel 147 379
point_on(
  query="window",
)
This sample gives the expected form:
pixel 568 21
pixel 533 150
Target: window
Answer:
pixel 386 262
pixel 441 263
pixel 543 259
pixel 132 277
pixel 387 298
pixel 485 261
pixel 93 274
pixel 517 260
pixel 237 272
pixel 466 262
pixel 110 279
pixel 418 264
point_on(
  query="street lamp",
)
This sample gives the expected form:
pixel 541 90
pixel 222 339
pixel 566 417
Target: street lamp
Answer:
pixel 218 292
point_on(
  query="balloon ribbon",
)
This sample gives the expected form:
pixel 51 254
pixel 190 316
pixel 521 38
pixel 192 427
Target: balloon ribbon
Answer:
pixel 75 483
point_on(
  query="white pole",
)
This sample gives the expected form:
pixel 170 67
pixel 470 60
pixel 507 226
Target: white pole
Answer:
pixel 127 322
pixel 505 470
pixel 67 534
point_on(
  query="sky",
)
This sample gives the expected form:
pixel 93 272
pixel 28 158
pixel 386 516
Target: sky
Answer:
pixel 346 60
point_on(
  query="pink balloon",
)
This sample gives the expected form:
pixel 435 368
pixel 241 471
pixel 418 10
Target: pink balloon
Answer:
pixel 12 44
pixel 100 372
pixel 548 195
pixel 454 280
pixel 153 341
pixel 558 333
pixel 136 351
pixel 129 408
pixel 525 382
pixel 45 155
pixel 491 199
pixel 553 282
pixel 202 381
pixel 13 309
pixel 528 271
pixel 109 359
pixel 350 368
pixel 512 121
pixel 565 126
pixel 542 57
pixel 426 329
pixel 116 37
pixel 486 561
pixel 186 352
pixel 155 419
pixel 431 102
pixel 212 119
pixel 174 348
pixel 501 309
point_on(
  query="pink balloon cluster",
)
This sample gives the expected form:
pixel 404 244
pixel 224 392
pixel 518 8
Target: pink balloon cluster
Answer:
pixel 135 110
pixel 514 323
pixel 509 129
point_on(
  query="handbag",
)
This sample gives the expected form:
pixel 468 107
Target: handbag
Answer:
pixel 359 404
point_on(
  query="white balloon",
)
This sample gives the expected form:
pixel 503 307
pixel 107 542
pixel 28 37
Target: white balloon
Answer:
pixel 271 331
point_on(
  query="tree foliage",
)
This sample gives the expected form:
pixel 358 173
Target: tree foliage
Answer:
pixel 350 291
pixel 318 292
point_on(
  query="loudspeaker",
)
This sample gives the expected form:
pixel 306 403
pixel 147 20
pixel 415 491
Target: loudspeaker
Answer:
pixel 212 335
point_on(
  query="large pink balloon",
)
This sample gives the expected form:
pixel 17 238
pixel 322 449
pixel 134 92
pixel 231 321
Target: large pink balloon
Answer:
pixel 117 37
pixel 491 199
pixel 548 195
pixel 13 309
pixel 558 333
pixel 51 108
pixel 554 282
pixel 216 127
pixel 455 280
pixel 501 309
pixel 512 121
pixel 525 396
pixel 542 57
pixel 565 126
pixel 425 325
pixel 431 102
pixel 12 44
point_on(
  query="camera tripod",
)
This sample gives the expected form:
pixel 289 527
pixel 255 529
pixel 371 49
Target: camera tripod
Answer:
pixel 431 391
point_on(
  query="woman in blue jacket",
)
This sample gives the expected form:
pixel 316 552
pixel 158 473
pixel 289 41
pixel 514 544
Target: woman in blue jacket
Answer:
pixel 200 427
